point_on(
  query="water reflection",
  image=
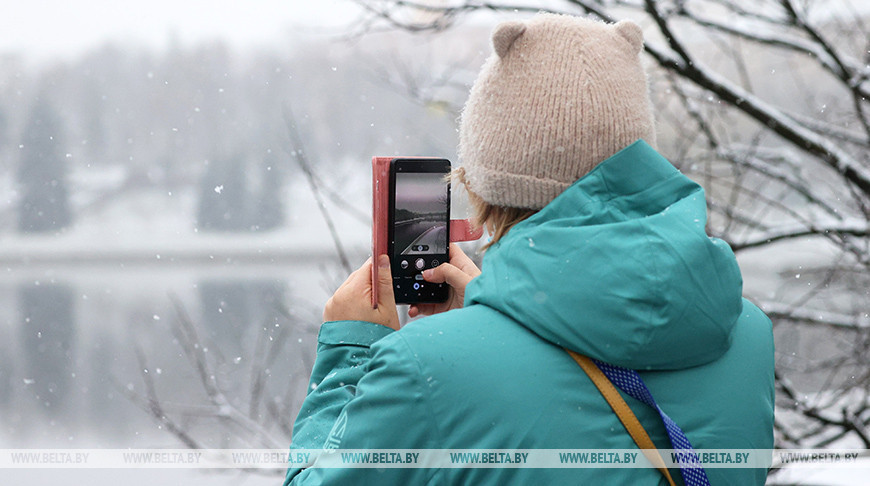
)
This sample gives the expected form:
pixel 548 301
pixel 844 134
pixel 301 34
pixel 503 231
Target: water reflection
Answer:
pixel 231 307
pixel 47 330
pixel 68 363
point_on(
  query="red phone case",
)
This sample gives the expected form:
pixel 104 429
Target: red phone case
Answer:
pixel 460 229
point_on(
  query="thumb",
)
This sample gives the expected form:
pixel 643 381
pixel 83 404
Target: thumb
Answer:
pixel 386 296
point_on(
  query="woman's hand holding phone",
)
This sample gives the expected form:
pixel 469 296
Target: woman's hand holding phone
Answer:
pixel 456 273
pixel 353 299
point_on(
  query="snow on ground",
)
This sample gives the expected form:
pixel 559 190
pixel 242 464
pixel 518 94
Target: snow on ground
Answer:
pixel 854 475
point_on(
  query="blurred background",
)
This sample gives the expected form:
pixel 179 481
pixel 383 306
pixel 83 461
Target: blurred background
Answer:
pixel 185 183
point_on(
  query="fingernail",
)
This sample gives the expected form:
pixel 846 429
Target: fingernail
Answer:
pixel 384 261
pixel 427 274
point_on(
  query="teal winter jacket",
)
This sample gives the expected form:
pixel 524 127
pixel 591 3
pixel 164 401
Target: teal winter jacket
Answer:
pixel 619 268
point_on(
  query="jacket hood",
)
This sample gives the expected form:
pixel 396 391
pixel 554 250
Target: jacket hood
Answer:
pixel 619 267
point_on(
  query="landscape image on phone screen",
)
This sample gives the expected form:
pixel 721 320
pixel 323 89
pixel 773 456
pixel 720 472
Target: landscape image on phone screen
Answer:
pixel 420 214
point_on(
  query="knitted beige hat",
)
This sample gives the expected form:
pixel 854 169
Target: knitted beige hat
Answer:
pixel 559 95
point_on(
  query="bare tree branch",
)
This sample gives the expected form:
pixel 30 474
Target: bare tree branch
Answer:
pixel 825 54
pixel 298 152
pixel 849 421
pixel 859 229
pixel 189 340
pixel 776 310
pixel 151 404
pixel 756 108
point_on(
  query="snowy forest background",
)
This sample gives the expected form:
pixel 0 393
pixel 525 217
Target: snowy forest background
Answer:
pixel 172 220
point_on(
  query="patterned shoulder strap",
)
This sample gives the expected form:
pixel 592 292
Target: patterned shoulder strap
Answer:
pixel 604 376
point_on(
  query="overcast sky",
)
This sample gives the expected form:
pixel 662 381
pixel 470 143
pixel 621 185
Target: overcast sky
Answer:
pixel 420 192
pixel 58 28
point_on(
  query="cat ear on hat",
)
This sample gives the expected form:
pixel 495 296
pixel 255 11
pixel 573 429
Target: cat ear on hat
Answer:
pixel 632 33
pixel 505 34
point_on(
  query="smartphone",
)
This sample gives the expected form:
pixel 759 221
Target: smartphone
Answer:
pixel 418 226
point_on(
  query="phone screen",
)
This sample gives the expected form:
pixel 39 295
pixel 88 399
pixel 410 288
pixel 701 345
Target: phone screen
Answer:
pixel 419 227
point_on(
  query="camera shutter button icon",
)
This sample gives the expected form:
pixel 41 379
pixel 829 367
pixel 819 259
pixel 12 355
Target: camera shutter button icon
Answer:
pixel 419 263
